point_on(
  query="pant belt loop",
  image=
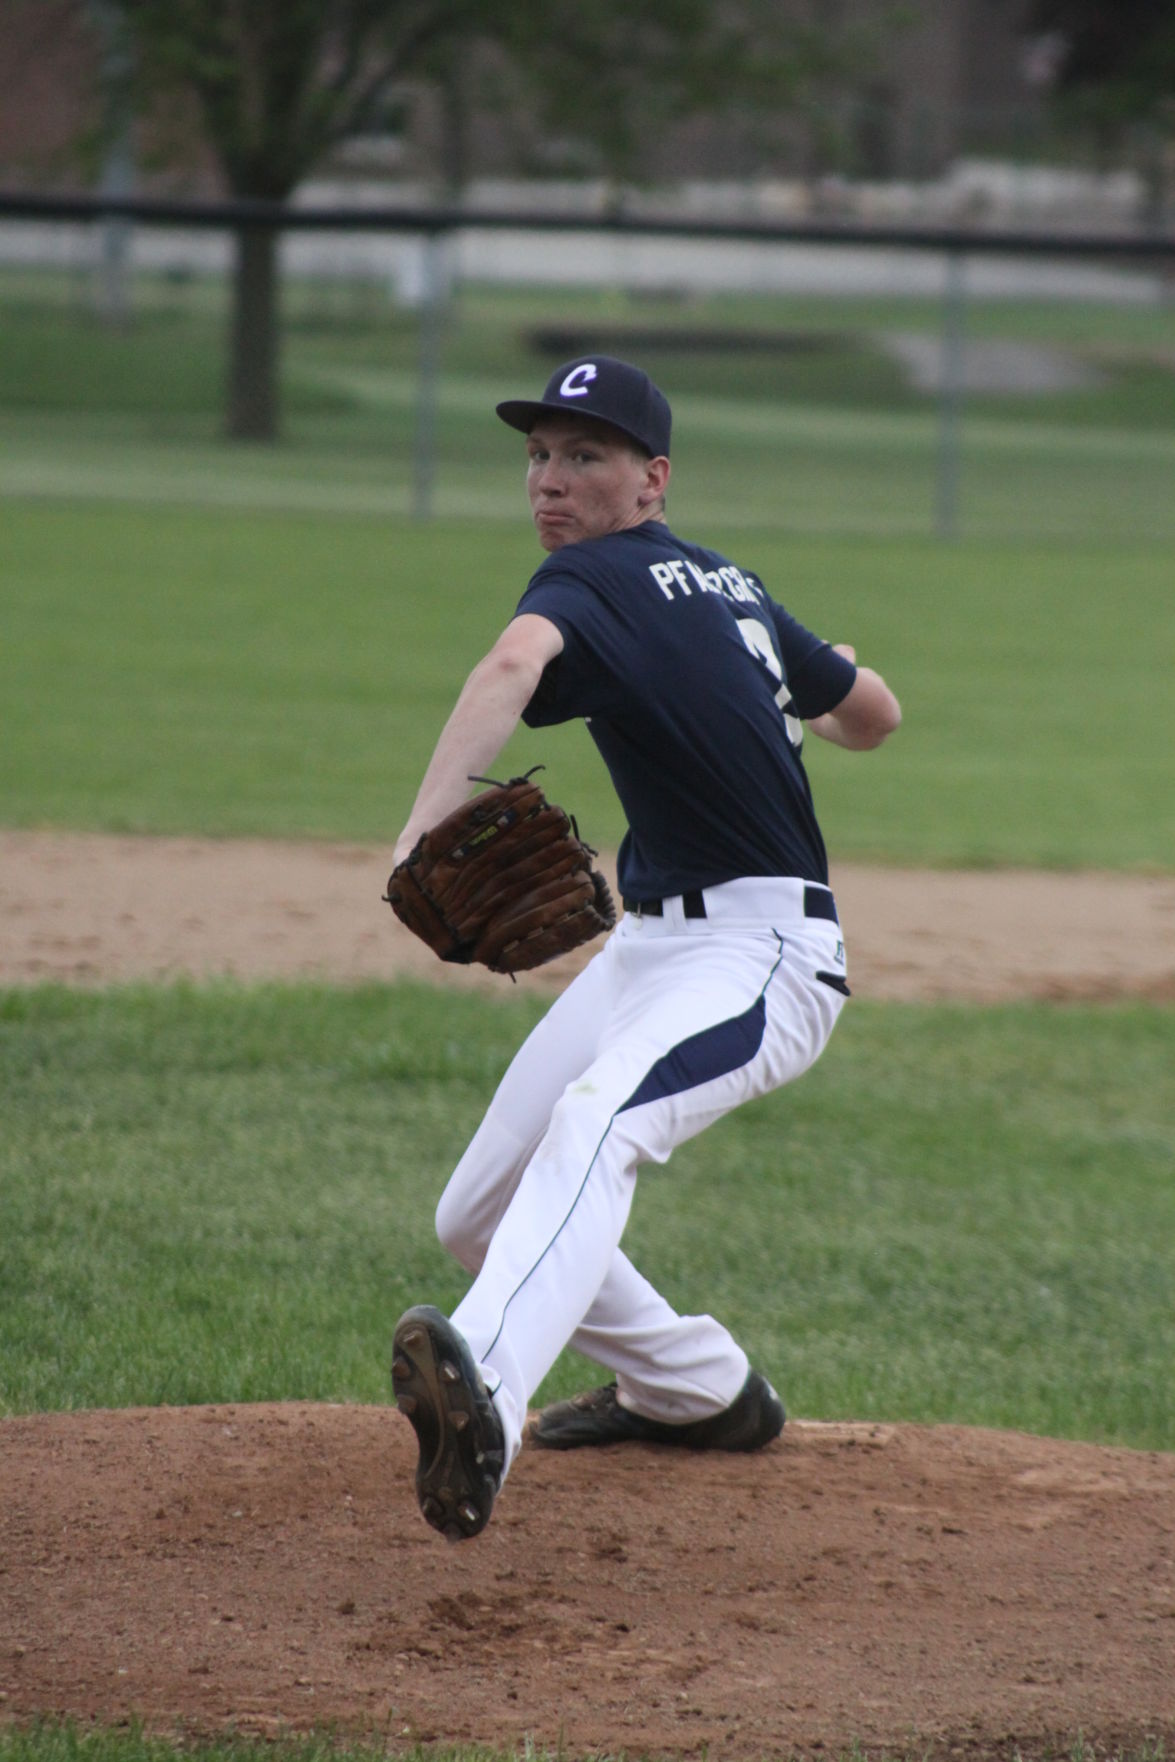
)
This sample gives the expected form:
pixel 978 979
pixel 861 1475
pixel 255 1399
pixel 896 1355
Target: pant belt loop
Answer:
pixel 818 903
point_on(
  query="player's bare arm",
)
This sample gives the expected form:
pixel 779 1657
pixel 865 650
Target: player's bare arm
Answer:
pixel 484 717
pixel 866 716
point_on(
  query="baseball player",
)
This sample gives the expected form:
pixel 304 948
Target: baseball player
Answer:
pixel 722 980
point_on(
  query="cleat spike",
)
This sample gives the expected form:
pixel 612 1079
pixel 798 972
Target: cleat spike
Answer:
pixel 458 1420
pixel 449 1372
pixel 401 1369
pixel 407 1404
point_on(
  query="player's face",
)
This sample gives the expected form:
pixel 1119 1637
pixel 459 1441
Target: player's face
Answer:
pixel 585 479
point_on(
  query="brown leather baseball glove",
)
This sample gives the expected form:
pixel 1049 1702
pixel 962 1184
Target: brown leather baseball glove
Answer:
pixel 504 880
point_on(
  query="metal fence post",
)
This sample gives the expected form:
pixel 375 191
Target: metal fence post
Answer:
pixel 119 160
pixel 432 320
pixel 952 386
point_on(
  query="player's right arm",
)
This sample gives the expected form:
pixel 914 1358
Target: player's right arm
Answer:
pixel 483 719
pixel 865 716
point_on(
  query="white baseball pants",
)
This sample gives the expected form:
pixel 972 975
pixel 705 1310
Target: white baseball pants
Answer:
pixel 676 1021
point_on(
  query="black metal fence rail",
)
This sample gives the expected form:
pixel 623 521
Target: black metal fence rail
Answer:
pixel 415 218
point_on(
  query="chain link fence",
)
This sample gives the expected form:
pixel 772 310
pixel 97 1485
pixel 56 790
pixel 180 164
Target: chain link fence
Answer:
pixel 824 380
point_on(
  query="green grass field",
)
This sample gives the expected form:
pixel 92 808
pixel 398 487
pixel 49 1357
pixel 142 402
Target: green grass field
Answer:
pixel 64 1743
pixel 195 670
pixel 215 1193
pixel 808 426
pixel 959 1214
pixel 233 639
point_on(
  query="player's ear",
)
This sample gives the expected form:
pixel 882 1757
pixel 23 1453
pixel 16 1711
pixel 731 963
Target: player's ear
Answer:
pixel 656 480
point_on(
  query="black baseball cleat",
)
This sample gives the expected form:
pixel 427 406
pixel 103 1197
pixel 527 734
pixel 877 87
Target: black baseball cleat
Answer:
pixel 753 1419
pixel 438 1388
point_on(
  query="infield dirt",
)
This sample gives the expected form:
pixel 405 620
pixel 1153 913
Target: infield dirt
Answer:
pixel 924 1591
pixel 85 909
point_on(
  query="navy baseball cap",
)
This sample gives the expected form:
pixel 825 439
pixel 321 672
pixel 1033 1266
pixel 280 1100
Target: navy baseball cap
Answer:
pixel 611 391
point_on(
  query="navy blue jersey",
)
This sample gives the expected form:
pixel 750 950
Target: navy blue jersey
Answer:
pixel 693 682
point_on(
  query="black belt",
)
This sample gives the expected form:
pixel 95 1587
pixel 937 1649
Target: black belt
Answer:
pixel 693 904
pixel 818 903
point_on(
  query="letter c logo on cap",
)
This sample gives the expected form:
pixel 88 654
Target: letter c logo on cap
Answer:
pixel 578 380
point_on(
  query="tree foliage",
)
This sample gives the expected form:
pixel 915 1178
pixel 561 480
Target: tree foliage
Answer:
pixel 613 78
pixel 1117 57
pixel 279 83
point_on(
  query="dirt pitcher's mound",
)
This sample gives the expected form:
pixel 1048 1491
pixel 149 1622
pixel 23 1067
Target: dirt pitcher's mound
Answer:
pixel 88 909
pixel 265 1568
pixel 935 1591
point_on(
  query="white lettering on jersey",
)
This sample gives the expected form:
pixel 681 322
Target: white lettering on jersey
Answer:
pixel 729 581
pixel 761 646
pixel 736 583
pixel 578 380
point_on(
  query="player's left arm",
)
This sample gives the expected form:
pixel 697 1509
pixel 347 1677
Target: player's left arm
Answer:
pixel 867 714
pixel 483 719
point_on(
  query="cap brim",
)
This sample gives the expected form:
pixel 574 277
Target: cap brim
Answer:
pixel 523 413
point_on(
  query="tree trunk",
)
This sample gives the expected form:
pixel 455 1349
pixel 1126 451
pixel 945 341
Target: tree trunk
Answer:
pixel 253 364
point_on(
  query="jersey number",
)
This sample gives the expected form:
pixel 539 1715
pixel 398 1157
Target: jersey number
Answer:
pixel 759 643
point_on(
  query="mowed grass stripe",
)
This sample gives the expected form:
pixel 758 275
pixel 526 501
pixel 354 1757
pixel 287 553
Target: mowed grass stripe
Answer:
pixel 255 673
pixel 226 1194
